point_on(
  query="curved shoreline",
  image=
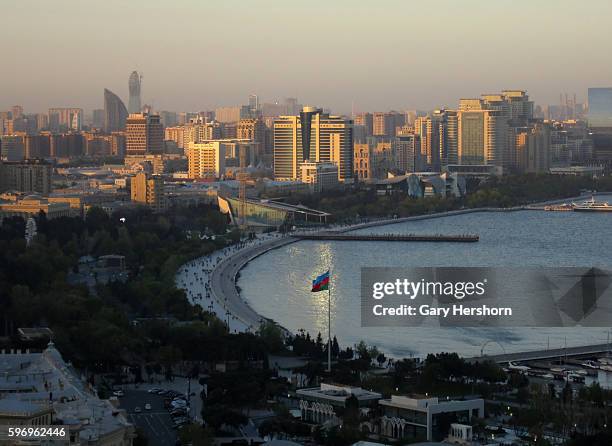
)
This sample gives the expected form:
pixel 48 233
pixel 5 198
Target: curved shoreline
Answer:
pixel 223 281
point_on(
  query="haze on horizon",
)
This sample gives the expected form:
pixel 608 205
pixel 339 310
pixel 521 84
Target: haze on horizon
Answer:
pixel 389 54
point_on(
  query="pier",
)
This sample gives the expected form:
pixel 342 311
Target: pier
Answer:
pixel 568 352
pixel 337 236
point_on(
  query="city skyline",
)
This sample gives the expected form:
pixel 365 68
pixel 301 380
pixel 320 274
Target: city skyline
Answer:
pixel 250 48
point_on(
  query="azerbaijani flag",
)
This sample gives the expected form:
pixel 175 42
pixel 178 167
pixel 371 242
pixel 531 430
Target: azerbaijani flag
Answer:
pixel 320 283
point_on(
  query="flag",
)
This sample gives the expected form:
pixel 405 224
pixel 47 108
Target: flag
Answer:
pixel 320 283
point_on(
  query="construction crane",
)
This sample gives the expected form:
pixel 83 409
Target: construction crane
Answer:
pixel 242 176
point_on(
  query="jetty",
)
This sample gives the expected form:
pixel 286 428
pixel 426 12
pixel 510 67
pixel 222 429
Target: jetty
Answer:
pixel 338 236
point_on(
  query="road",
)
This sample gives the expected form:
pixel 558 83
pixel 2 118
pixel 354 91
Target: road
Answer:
pixel 223 283
pixel 156 423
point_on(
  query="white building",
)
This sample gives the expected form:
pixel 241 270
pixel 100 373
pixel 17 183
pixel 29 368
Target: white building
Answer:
pixel 422 418
pixel 42 389
pixel 319 404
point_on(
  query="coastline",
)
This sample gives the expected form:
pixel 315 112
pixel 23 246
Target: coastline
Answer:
pixel 223 281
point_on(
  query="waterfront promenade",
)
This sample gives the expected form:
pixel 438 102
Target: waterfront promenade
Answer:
pixel 211 281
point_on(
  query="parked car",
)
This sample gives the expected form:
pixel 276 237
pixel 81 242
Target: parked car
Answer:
pixel 137 409
pixel 154 390
pixel 147 406
pixel 118 393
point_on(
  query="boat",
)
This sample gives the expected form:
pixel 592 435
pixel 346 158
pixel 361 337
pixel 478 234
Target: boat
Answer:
pixel 592 206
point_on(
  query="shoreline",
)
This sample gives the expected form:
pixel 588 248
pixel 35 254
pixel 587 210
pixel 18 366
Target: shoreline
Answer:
pixel 223 281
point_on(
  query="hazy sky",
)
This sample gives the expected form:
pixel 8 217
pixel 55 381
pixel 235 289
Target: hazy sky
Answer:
pixel 383 54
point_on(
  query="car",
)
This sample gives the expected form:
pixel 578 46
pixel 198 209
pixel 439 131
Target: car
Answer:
pixel 154 390
pixel 137 409
pixel 118 393
pixel 147 406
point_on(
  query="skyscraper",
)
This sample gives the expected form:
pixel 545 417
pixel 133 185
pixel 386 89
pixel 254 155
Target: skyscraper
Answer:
pixel 134 105
pixel 115 113
pixel 312 136
pixel 144 134
pixel 600 107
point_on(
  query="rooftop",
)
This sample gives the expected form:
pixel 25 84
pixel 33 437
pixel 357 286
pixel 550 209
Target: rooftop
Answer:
pixel 43 381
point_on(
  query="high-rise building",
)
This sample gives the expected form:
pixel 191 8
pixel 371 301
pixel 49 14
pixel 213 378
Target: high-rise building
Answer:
pixel 12 147
pixel 98 118
pixel 600 123
pixel 253 130
pixel 206 159
pixel 16 111
pixel 134 105
pixel 148 190
pixel 253 104
pixel 37 146
pixel 383 125
pixel 63 118
pixel 366 120
pixel 600 108
pixel 312 136
pixel 407 152
pixel 438 139
pixel 144 134
pixel 533 149
pixel 115 113
pixel 117 144
pixel 29 176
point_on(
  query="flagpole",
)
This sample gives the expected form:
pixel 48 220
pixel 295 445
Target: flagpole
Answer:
pixel 329 325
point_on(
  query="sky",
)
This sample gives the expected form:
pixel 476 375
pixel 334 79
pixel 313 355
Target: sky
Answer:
pixel 344 55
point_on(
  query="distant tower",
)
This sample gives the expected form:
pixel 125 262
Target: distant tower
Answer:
pixel 134 84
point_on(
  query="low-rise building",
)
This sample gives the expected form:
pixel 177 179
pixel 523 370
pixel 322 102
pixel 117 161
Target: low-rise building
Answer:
pixel 42 389
pixel 32 205
pixel 425 418
pixel 321 404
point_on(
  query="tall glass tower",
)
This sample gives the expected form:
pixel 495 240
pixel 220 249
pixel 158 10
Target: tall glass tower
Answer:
pixel 134 105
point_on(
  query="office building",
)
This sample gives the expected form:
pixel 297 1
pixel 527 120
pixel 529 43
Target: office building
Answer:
pixel 148 190
pixel 144 134
pixel 206 159
pixel 419 418
pixel 134 105
pixel 115 113
pixel 319 176
pixel 600 108
pixel 312 136
pixel 600 123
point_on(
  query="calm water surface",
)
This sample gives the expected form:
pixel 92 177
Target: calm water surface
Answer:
pixel 277 284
